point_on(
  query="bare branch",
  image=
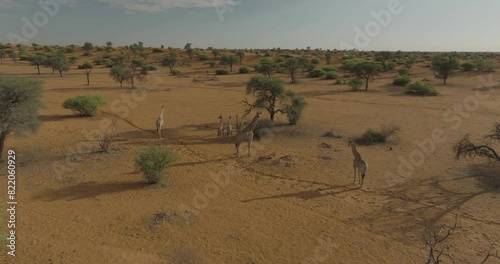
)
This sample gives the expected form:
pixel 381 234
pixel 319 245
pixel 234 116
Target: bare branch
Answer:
pixel 496 133
pixel 466 148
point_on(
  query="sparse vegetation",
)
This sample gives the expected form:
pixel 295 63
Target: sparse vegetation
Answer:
pixel 20 101
pixel 316 73
pixel 222 71
pixel 84 105
pixel 87 69
pixel 444 66
pixel 372 136
pixel 468 66
pixel 355 84
pixel 422 88
pixel 402 80
pixel 154 161
pixel 404 71
pixel 244 69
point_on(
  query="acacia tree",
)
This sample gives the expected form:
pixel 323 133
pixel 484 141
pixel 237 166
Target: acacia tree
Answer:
pixel 20 100
pixel 189 50
pixel 304 63
pixel 87 46
pixel 444 66
pixel 60 64
pixel 87 69
pixel 241 55
pixel 229 60
pixel 270 94
pixel 267 67
pixel 366 71
pixel 383 57
pixel 292 66
pixel 169 61
pixel 328 57
pixel 139 70
pixel 120 74
pixel 38 60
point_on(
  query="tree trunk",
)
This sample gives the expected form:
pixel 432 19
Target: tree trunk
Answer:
pixel 444 80
pixel 38 68
pixel 271 116
pixel 132 81
pixel 88 79
pixel 60 73
pixel 366 85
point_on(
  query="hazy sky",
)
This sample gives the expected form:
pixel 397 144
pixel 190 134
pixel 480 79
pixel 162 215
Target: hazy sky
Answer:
pixel 445 25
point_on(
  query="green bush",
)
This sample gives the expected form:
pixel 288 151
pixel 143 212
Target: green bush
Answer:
pixel 295 109
pixel 222 71
pixel 316 73
pixel 329 69
pixel 372 136
pixel 402 80
pixel 154 161
pixel 202 56
pixel 404 71
pixel 355 84
pixel 84 105
pixel 280 60
pixel 331 75
pixel 211 64
pixel 157 50
pixel 176 72
pixel 315 60
pixel 468 66
pixel 422 88
pixel 244 69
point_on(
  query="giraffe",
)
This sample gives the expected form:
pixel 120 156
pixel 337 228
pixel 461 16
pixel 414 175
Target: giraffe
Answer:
pixel 358 164
pixel 246 134
pixel 220 132
pixel 238 125
pixel 159 122
pixel 229 127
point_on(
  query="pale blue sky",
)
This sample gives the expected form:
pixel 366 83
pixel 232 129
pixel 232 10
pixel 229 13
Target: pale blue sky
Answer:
pixel 421 25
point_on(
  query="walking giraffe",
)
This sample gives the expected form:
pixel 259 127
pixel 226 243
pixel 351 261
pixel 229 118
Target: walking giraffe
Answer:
pixel 159 122
pixel 360 166
pixel 246 135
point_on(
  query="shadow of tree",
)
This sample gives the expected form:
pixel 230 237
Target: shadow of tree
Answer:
pixel 89 189
pixel 429 201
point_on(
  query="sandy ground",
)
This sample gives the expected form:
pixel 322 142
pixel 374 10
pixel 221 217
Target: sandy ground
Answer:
pixel 293 201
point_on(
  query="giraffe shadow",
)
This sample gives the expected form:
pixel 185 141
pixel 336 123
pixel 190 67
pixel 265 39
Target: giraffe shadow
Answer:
pixel 310 194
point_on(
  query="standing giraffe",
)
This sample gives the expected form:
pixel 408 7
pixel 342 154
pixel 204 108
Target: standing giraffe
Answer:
pixel 220 131
pixel 238 125
pixel 229 127
pixel 246 135
pixel 358 164
pixel 159 122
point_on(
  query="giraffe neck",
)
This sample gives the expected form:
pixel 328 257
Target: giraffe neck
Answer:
pixel 355 152
pixel 221 124
pixel 161 114
pixel 252 125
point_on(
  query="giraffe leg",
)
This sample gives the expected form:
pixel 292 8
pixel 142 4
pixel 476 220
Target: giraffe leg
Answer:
pixel 237 146
pixel 250 146
pixel 354 167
